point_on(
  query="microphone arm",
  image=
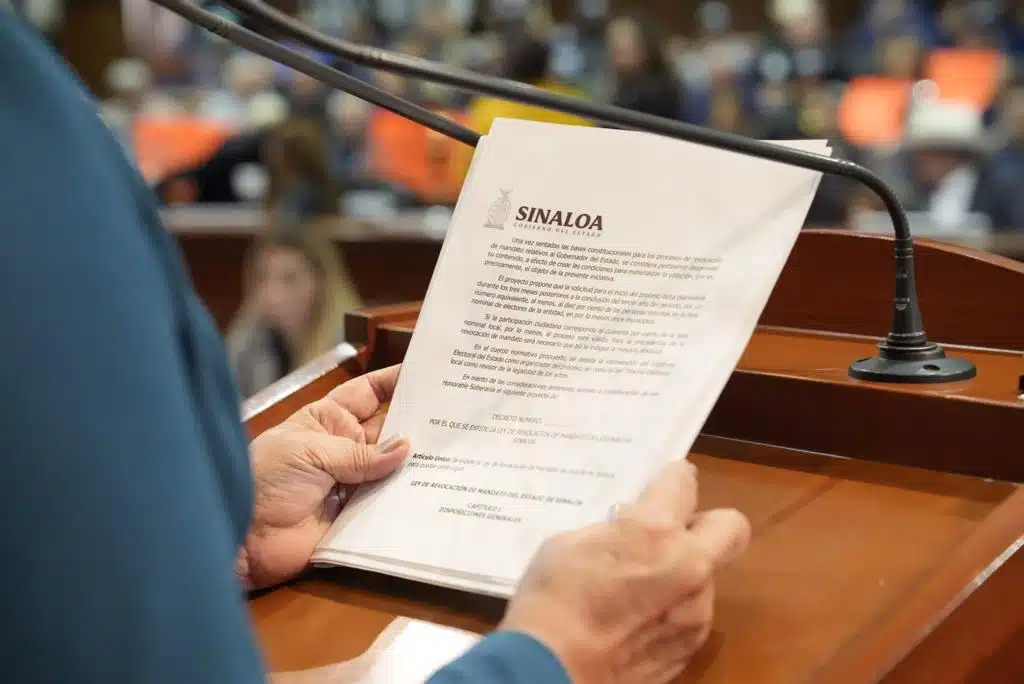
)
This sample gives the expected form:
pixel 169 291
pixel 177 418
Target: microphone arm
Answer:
pixel 905 356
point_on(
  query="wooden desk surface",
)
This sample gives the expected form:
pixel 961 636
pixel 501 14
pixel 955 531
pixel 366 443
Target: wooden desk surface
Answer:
pixel 890 530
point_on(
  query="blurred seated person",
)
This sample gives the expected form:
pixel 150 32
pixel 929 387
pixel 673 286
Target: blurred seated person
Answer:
pixel 349 150
pixel 349 121
pixel 817 118
pixel 970 24
pixel 799 48
pixel 306 95
pixel 943 170
pixel 412 158
pixel 297 294
pixel 1014 31
pixel 902 58
pixel 644 81
pixel 300 185
pixel 883 21
pixel 284 165
pixel 526 58
pixel 235 172
pixel 775 109
pixel 246 76
pixel 215 181
pixel 1009 162
pixel 726 112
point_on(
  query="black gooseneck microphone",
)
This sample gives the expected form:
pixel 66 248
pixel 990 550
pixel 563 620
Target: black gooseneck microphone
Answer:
pixel 905 356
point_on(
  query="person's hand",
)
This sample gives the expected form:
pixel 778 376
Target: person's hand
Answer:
pixel 631 600
pixel 302 469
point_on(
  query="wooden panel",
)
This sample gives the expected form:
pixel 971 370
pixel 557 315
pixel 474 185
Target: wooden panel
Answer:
pixel 982 642
pixel 844 282
pixel 216 264
pixel 360 325
pixel 814 405
pixel 836 566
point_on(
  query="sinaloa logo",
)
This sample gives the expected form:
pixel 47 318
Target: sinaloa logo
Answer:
pixel 500 210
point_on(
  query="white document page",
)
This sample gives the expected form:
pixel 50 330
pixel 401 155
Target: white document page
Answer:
pixel 596 292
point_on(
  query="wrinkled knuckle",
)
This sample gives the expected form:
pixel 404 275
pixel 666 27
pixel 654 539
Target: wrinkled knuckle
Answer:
pixel 361 459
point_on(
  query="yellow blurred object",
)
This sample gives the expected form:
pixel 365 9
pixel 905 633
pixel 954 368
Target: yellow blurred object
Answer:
pixel 483 111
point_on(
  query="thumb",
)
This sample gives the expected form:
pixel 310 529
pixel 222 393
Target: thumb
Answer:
pixel 350 462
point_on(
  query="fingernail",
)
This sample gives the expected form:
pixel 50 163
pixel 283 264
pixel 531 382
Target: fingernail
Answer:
pixel 613 512
pixel 389 445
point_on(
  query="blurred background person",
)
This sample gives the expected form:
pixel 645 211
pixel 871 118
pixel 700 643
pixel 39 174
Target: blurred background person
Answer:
pixel 526 58
pixel 900 57
pixel 643 80
pixel 1010 130
pixel 297 294
pixel 885 21
pixel 799 48
pixel 349 121
pixel 1008 163
pixel 306 95
pixel 817 117
pixel 301 186
pixel 946 173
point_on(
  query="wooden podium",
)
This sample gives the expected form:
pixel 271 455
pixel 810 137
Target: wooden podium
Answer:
pixel 887 523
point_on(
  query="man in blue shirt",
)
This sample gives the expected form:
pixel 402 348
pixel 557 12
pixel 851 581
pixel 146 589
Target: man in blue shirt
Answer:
pixel 133 512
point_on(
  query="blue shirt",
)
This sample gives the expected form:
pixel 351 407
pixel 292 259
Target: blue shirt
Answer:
pixel 124 470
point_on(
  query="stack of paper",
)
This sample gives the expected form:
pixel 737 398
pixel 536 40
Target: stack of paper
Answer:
pixel 595 290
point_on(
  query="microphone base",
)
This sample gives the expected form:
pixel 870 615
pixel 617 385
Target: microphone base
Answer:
pixel 925 365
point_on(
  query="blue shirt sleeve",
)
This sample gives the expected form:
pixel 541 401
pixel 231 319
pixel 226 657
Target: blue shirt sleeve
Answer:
pixel 124 486
pixel 505 658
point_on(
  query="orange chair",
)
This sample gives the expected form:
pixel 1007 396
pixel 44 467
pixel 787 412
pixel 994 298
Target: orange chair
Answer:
pixel 165 145
pixel 415 157
pixel 873 109
pixel 967 76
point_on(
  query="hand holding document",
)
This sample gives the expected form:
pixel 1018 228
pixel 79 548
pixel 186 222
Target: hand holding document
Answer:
pixel 594 293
